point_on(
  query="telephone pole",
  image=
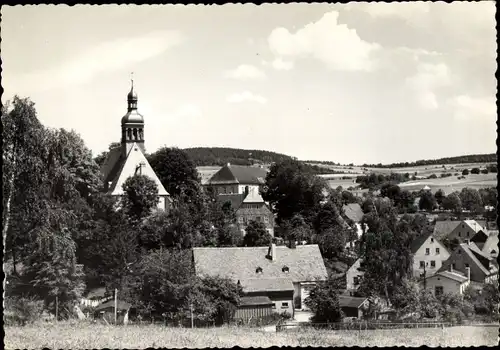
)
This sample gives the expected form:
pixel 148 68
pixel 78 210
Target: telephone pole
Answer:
pixel 116 304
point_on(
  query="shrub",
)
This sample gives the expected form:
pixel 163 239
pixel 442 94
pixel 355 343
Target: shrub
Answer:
pixel 22 310
pixel 433 176
pixel 475 171
pixel 484 171
pixel 465 172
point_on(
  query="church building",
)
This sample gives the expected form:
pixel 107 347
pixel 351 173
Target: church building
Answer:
pixel 129 158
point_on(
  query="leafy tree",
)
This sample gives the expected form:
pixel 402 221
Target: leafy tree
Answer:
pixel 485 300
pixel 141 196
pixel 453 202
pixel 475 171
pixel 427 201
pixel 439 196
pixel 323 300
pixel 465 172
pixel 162 280
pixel 391 191
pixel 23 143
pixel 176 171
pixel 489 196
pixel 471 200
pixel 222 294
pixel 101 157
pixel 256 235
pixel 291 190
pixel 296 229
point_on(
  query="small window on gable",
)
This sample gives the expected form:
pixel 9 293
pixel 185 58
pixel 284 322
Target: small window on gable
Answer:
pixel 493 251
pixel 432 240
pixel 258 270
pixel 285 269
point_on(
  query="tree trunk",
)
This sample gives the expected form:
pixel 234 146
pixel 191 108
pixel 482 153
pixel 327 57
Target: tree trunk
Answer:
pixel 6 214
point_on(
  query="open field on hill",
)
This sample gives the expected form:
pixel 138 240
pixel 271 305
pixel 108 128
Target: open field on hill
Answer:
pixel 74 335
pixel 423 170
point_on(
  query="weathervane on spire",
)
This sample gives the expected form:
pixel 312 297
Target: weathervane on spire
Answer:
pixel 132 79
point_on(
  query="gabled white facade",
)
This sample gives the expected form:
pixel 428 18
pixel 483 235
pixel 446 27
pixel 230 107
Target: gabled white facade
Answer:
pixel 137 164
pixel 432 253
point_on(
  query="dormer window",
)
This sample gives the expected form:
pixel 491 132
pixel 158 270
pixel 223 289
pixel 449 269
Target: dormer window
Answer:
pixel 258 270
pixel 285 269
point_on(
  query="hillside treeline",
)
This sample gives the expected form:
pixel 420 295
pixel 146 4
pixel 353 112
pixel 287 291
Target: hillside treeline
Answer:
pixel 473 158
pixel 220 156
pixel 207 156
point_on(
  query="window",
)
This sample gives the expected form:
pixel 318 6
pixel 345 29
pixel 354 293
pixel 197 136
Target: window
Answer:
pixel 432 240
pixel 284 305
pixel 266 219
pixel 427 251
pixel 466 265
pixel 467 233
pixel 422 264
pixel 258 270
pixel 356 280
pixel 460 234
pixel 240 219
pixel 274 305
pixel 257 218
pixel 438 290
pixel 285 269
pixel 433 263
pixel 437 250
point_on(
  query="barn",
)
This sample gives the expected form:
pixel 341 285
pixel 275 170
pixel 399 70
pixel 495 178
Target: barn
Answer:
pixel 252 307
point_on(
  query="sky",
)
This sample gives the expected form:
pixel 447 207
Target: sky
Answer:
pixel 356 82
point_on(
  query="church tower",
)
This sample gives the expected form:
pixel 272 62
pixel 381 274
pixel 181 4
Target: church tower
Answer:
pixel 132 124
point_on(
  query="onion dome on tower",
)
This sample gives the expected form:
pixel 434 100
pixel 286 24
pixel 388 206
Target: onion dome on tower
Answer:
pixel 132 123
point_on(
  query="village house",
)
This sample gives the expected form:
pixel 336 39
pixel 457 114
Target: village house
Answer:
pixel 129 158
pixel 483 268
pixel 237 179
pixel 447 282
pixel 355 214
pixel 353 277
pixel 461 230
pixel 353 307
pixel 428 255
pixel 285 275
pixel 240 186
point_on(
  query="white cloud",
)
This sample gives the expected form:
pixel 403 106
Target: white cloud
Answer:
pixel 339 47
pixel 467 107
pixel 107 56
pixel 246 96
pixel 246 72
pixel 280 64
pixel 405 10
pixel 428 78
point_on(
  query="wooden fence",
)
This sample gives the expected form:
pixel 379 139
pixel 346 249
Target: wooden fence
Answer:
pixel 360 326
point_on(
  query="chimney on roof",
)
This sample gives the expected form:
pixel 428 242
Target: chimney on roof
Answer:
pixel 467 241
pixel 467 269
pixel 451 267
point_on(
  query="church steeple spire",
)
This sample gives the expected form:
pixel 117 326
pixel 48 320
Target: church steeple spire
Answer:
pixel 132 122
pixel 132 95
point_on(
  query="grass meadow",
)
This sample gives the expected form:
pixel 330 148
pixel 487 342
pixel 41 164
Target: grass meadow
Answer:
pixel 85 335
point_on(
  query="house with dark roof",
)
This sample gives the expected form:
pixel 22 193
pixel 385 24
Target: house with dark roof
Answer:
pixel 483 268
pixel 237 179
pixel 128 159
pixel 428 255
pixel 447 282
pixel 490 246
pixel 353 307
pixel 354 212
pixel 283 274
pixel 240 186
pixel 460 230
